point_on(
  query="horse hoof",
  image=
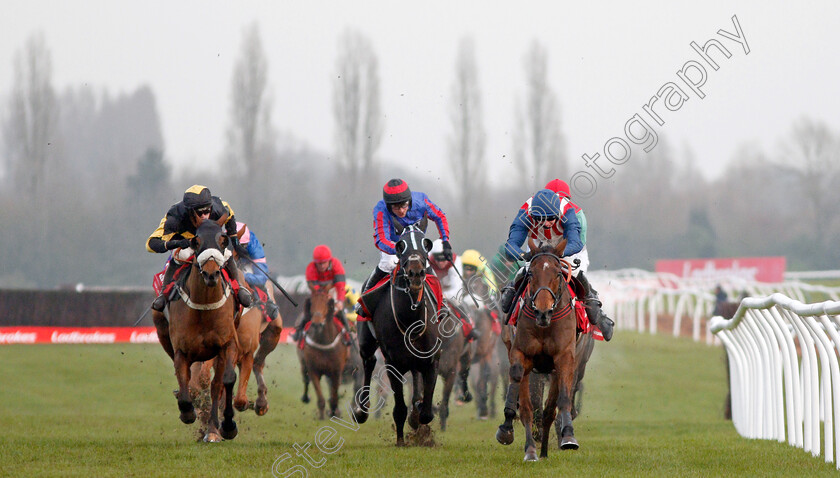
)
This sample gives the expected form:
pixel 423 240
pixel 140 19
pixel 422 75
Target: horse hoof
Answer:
pixel 304 399
pixel 212 438
pixel 260 408
pixel 187 411
pixel 530 455
pixel 240 405
pixel 466 397
pixel 503 436
pixel 569 443
pixel 359 415
pixel 229 432
pixel 400 442
pixel 335 413
pixel 483 417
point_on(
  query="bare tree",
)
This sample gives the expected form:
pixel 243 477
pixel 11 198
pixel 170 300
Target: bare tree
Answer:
pixel 538 144
pixel 358 119
pixel 250 131
pixel 813 151
pixel 30 127
pixel 467 140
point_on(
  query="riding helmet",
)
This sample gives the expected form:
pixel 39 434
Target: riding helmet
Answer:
pixel 321 253
pixel 560 187
pixel 396 191
pixel 545 205
pixel 197 196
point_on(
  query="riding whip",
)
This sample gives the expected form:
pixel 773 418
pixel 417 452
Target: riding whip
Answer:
pixel 248 259
pixel 466 287
pixel 142 315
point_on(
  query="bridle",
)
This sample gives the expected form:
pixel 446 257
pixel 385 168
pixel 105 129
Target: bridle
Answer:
pixel 565 275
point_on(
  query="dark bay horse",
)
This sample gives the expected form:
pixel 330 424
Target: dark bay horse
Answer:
pixel 486 357
pixel 404 325
pixel 544 340
pixel 323 353
pixel 202 327
pixel 455 358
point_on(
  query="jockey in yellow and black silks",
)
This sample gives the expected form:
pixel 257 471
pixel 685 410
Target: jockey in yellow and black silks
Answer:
pixel 175 231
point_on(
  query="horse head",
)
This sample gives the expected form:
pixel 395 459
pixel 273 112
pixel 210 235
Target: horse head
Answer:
pixel 210 246
pixel 413 253
pixel 549 276
pixel 321 308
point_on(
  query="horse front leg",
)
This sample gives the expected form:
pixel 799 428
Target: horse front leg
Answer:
pixel 335 381
pixel 229 430
pixel 367 351
pixel 182 374
pixel 246 364
pixel 212 434
pixel 526 417
pixel 448 383
pixel 564 364
pixel 549 413
pixel 516 373
pixel 268 342
pixel 416 391
pixel 316 384
pixel 400 410
pixel 429 382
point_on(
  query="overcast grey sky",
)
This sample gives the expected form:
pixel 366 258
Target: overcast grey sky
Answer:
pixel 606 61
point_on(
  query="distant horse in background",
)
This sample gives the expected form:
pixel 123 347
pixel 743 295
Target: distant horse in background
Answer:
pixel 455 358
pixel 202 327
pixel 323 352
pixel 486 356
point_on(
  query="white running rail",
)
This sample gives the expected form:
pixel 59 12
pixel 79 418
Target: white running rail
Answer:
pixel 784 373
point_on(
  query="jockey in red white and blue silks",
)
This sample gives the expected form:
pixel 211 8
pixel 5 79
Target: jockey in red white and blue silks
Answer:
pixel 398 209
pixel 541 219
pixel 387 225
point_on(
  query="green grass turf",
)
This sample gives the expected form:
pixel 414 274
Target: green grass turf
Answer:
pixel 653 407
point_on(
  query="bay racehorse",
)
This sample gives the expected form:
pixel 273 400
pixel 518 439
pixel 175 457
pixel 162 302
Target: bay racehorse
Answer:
pixel 323 353
pixel 403 323
pixel 455 358
pixel 543 340
pixel 202 327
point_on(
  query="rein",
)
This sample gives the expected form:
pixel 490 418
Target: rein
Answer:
pixel 414 305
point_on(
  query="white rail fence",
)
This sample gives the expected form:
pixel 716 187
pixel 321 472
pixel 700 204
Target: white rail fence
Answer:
pixel 784 373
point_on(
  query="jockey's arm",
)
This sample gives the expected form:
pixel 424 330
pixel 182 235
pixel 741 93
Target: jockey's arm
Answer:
pixel 571 231
pixel 517 234
pixel 438 216
pixel 382 229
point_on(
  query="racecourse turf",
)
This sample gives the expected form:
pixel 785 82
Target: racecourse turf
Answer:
pixel 653 407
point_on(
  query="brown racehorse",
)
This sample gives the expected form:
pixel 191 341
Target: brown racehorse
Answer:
pixel 202 328
pixel 455 358
pixel 324 354
pixel 485 355
pixel 544 341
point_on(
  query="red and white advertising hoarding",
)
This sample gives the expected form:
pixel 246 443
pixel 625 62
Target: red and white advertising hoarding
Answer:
pixel 760 269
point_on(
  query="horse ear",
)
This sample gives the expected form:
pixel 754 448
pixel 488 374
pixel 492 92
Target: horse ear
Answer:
pixel 560 248
pixel 222 220
pixel 194 243
pixel 223 241
pixel 427 244
pixel 401 247
pixel 532 245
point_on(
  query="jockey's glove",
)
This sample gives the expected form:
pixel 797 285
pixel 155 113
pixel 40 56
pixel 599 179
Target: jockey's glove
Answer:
pixel 447 251
pixel 176 243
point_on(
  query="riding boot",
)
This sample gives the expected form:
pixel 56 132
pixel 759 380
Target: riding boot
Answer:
pixel 300 327
pixel 346 338
pixel 160 301
pixel 374 278
pixel 509 291
pixel 244 295
pixel 272 310
pixel 593 308
pixel 473 335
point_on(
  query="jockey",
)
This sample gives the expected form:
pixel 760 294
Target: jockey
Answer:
pixel 473 265
pixel 450 282
pixel 398 209
pixel 545 219
pixel 593 303
pixel 350 298
pixel 175 231
pixel 326 271
pixel 256 274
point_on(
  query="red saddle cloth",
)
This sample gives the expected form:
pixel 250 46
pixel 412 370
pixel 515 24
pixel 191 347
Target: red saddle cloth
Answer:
pixel 583 325
pixel 371 296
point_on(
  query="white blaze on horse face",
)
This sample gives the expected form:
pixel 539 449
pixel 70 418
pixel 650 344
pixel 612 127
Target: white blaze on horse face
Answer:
pixel 545 265
pixel 214 254
pixel 413 241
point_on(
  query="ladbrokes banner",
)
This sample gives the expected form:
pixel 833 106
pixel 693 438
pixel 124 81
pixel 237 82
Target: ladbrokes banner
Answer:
pixel 761 269
pixel 86 335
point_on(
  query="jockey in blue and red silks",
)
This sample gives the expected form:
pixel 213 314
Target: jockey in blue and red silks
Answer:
pixel 398 209
pixel 548 219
